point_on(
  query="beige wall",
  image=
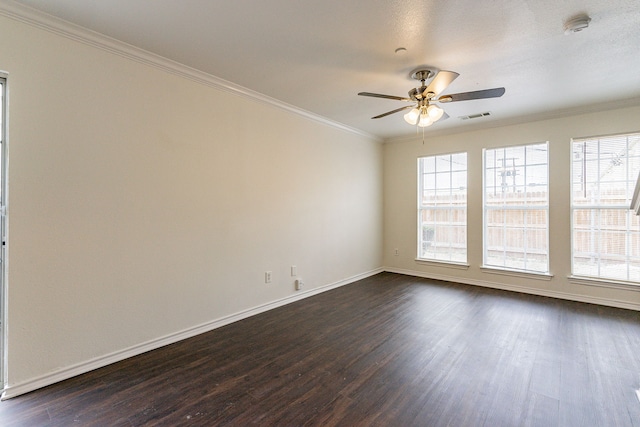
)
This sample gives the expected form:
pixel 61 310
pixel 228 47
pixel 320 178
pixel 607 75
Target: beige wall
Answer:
pixel 400 189
pixel 143 204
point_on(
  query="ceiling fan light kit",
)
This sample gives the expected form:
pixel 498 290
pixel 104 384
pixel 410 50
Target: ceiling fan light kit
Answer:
pixel 424 112
pixel 424 116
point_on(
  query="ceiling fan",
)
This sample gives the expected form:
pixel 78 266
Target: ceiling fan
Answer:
pixel 424 112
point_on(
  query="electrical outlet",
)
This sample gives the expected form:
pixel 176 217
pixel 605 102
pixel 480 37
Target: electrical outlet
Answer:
pixel 299 284
pixel 396 252
pixel 267 277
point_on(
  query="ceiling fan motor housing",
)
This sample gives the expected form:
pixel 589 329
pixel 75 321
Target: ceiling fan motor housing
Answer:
pixel 422 75
pixel 425 95
pixel 418 94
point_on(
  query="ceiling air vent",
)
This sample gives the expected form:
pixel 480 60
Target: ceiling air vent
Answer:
pixel 475 116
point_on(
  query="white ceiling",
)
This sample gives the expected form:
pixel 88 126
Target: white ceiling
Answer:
pixel 318 54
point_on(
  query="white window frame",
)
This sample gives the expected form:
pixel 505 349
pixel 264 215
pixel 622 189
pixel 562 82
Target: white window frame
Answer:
pixel 3 231
pixel 492 267
pixel 625 208
pixel 445 207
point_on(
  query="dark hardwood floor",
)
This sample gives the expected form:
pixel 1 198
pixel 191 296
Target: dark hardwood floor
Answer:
pixel 390 350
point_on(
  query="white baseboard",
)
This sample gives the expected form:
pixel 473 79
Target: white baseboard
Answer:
pixel 522 289
pixel 99 362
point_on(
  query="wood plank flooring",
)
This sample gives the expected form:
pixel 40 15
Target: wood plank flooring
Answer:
pixel 390 350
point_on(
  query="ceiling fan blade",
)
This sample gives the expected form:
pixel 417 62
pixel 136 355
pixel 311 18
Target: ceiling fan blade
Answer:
pixel 496 92
pixel 440 83
pixel 393 111
pixel 379 95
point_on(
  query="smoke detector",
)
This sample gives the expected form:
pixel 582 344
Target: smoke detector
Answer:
pixel 576 24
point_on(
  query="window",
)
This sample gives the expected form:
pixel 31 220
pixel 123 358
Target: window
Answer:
pixel 516 208
pixel 605 232
pixel 442 208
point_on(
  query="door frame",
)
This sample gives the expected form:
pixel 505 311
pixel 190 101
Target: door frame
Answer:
pixel 4 77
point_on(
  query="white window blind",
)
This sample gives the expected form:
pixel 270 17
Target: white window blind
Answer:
pixel 516 208
pixel 605 232
pixel 442 208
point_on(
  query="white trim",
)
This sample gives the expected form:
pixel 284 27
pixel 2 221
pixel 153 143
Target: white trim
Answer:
pixel 4 232
pixel 522 289
pixel 516 273
pixel 83 367
pixel 99 362
pixel 513 121
pixel 486 208
pixel 604 135
pixel 574 206
pixel 446 264
pixel 44 21
pixel 604 283
pixel 635 200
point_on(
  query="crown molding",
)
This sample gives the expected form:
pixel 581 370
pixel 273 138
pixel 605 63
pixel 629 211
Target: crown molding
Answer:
pixel 44 21
pixel 547 115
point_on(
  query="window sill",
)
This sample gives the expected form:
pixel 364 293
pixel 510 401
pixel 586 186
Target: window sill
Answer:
pixel 446 264
pixel 516 273
pixel 602 283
